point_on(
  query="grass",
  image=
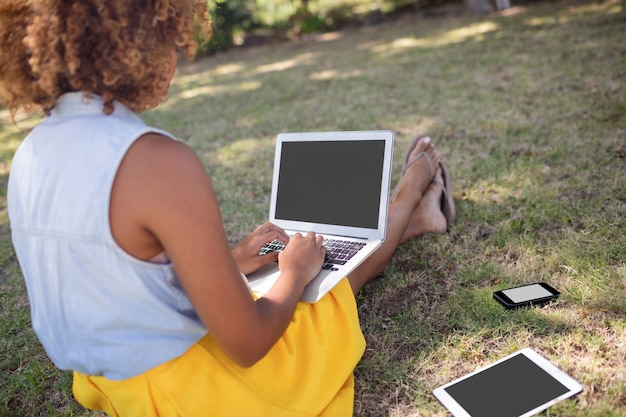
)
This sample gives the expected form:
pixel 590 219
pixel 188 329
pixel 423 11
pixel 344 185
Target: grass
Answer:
pixel 528 108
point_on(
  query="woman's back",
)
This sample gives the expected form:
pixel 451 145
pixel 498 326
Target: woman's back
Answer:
pixel 59 198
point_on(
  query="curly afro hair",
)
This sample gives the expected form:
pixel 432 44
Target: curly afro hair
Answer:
pixel 118 49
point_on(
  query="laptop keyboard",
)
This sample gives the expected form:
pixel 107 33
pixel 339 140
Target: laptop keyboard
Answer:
pixel 338 252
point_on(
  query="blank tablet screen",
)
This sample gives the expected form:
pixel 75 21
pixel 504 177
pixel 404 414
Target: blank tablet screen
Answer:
pixel 508 389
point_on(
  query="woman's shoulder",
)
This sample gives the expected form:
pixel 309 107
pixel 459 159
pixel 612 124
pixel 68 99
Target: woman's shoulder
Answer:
pixel 158 151
pixel 158 171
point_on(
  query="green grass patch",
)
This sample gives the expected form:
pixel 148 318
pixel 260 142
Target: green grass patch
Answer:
pixel 528 109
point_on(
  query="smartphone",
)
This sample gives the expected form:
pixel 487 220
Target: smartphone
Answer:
pixel 526 295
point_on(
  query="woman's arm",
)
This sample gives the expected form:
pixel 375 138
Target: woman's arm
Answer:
pixel 162 199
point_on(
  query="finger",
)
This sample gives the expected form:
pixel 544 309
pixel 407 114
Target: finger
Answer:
pixel 269 257
pixel 271 236
pixel 268 233
pixel 274 227
pixel 281 235
pixel 268 227
pixel 264 228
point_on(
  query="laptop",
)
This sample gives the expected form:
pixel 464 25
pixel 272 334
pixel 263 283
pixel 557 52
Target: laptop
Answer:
pixel 335 184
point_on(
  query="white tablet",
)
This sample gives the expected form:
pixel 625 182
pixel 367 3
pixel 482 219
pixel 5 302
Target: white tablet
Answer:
pixel 519 385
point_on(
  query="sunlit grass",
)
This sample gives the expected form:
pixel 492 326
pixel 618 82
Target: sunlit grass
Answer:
pixel 215 90
pixel 11 135
pixel 526 108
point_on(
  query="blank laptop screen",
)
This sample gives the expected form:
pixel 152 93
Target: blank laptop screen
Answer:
pixel 331 182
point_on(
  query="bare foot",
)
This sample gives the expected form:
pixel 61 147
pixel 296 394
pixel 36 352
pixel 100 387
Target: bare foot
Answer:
pixel 428 217
pixel 415 209
pixel 417 174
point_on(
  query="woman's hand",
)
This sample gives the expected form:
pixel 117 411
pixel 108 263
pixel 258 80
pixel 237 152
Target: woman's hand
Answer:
pixel 246 253
pixel 303 256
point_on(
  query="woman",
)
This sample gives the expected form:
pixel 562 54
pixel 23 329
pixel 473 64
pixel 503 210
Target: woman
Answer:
pixel 117 229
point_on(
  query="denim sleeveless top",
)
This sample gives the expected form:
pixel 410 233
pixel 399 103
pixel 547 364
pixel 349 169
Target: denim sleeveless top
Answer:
pixel 95 308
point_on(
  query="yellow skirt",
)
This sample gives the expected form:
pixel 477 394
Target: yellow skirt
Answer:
pixel 308 372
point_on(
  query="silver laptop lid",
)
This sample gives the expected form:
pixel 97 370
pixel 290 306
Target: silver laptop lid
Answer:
pixel 334 183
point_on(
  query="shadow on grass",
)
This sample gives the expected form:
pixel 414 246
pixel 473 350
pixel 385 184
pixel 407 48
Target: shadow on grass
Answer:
pixel 527 110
